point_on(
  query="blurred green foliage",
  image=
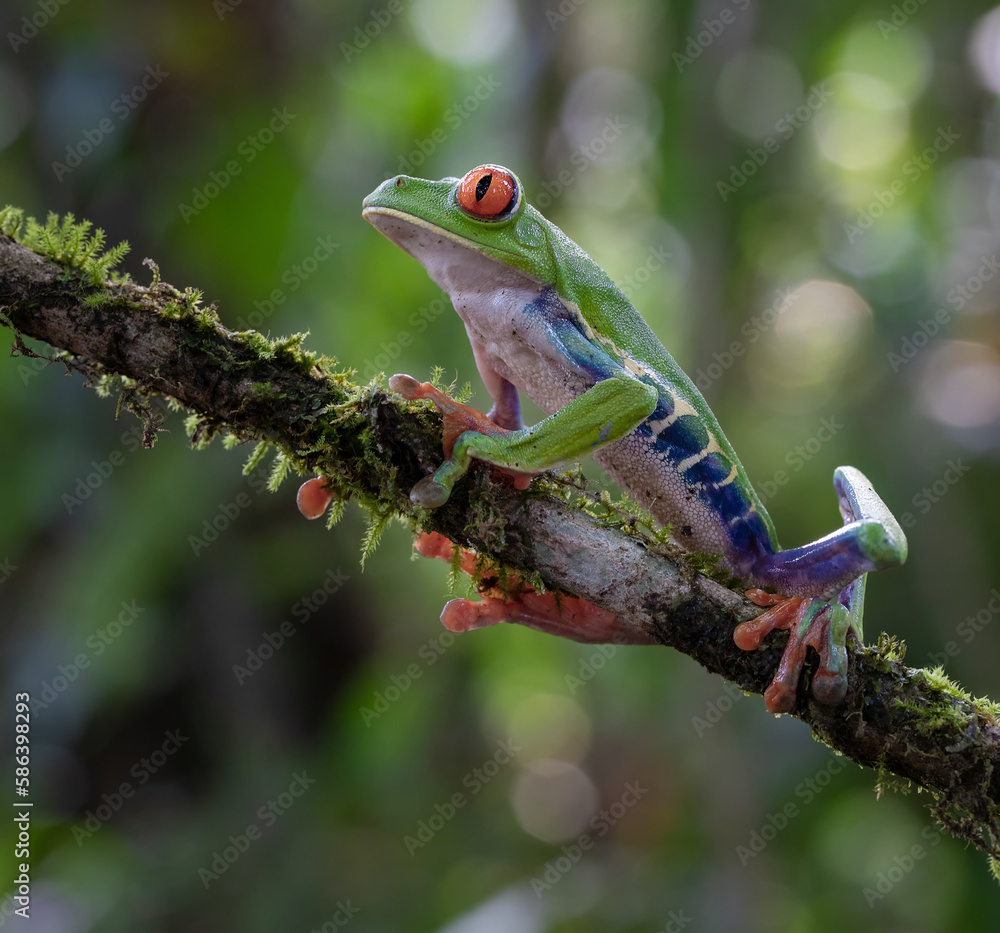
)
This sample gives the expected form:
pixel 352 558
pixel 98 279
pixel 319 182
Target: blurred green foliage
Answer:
pixel 802 200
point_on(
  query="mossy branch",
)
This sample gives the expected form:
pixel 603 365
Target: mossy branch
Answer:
pixel 914 724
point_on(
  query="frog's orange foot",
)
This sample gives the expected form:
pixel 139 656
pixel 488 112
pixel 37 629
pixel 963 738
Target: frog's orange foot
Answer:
pixel 313 497
pixel 456 418
pixel 433 544
pixel 565 616
pixel 808 624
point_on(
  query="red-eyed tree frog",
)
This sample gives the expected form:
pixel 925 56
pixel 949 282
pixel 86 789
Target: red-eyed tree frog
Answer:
pixel 544 319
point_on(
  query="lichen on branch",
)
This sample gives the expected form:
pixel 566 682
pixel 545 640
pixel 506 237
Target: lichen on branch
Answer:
pixel 58 286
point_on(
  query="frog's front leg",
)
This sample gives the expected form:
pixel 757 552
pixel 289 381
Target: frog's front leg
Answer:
pixel 457 419
pixel 815 617
pixel 605 412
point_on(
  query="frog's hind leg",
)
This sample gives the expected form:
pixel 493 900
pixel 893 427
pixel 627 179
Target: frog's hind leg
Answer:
pixel 826 583
pixel 555 614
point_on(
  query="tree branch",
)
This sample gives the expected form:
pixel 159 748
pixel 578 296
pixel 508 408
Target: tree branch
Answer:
pixel 911 723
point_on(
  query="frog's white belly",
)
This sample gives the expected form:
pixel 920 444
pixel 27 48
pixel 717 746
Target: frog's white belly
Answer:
pixel 520 347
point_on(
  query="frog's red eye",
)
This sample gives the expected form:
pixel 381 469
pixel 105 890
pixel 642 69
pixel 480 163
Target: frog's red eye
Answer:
pixel 488 192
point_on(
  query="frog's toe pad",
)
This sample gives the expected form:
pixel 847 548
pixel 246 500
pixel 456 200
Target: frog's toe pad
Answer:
pixel 829 687
pixel 406 386
pixel 808 625
pixel 429 493
pixel 466 615
pixel 313 497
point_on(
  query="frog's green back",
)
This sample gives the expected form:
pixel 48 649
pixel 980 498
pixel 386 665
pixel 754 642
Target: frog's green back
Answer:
pixel 678 462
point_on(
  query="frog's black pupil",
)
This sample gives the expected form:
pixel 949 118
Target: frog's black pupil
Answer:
pixel 483 185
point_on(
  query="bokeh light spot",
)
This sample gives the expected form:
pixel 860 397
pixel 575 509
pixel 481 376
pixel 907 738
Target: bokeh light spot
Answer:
pixel 984 50
pixel 906 63
pixel 961 385
pixel 464 33
pixel 550 726
pixel 553 800
pixel 865 124
pixel 808 341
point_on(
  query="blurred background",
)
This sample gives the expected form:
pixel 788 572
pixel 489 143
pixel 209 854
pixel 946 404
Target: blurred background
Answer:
pixel 234 725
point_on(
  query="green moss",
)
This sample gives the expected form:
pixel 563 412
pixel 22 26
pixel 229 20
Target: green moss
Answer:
pixel 886 781
pixel 72 244
pixel 279 471
pixel 988 709
pixel 888 649
pixel 377 523
pixel 939 680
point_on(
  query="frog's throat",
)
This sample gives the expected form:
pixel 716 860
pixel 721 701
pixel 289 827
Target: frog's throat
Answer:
pixel 379 218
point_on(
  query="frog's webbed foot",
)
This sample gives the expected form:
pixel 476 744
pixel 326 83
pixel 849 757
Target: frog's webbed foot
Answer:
pixel 811 623
pixel 826 580
pixel 433 491
pixel 565 616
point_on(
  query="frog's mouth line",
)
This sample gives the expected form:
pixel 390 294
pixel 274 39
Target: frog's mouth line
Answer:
pixel 464 241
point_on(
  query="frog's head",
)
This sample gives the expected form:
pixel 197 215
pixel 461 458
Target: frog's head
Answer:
pixel 459 228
